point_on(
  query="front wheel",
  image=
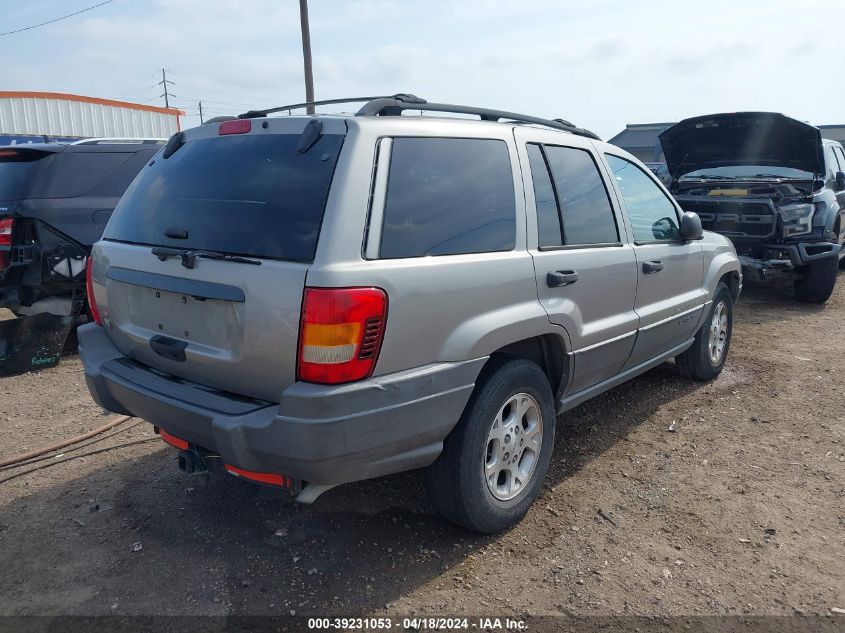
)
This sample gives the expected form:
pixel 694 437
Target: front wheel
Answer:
pixel 494 461
pixel 706 358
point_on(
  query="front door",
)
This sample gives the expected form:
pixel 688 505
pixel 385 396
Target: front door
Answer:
pixel 670 271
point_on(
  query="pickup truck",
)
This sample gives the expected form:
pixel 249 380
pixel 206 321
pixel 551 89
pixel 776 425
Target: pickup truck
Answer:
pixel 772 186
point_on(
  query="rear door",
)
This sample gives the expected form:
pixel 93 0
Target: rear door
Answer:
pixel 585 269
pixel 225 324
pixel 670 271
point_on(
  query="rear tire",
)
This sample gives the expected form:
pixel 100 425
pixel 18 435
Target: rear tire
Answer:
pixel 495 460
pixel 706 358
pixel 818 282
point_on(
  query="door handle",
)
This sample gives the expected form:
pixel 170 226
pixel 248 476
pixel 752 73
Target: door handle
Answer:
pixel 558 278
pixel 654 266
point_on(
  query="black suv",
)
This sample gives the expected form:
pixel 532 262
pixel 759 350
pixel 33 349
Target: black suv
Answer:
pixel 769 183
pixel 55 200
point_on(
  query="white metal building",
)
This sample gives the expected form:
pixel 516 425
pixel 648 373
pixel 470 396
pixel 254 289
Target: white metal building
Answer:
pixel 27 117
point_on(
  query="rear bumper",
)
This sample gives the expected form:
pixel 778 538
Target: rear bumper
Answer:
pixel 325 434
pixel 773 256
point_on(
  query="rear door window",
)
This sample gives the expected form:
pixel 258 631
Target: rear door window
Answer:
pixel 548 220
pixel 447 196
pixel 251 195
pixel 582 197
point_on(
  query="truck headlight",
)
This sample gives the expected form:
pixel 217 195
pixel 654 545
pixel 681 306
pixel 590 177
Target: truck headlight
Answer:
pixel 797 219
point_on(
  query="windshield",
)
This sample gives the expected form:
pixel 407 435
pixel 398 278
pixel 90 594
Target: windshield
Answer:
pixel 749 172
pixel 17 168
pixel 251 195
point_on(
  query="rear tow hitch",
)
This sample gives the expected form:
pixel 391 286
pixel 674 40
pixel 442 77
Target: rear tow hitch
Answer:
pixel 191 462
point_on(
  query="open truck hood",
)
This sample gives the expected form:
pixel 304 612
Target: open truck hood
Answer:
pixel 742 138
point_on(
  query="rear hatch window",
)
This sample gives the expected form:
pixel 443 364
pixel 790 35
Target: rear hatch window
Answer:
pixel 252 195
pixel 18 168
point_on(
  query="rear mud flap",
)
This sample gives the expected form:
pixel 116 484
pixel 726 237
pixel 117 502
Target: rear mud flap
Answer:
pixel 34 342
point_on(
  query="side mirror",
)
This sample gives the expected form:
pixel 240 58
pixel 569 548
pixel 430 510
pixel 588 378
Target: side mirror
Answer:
pixel 840 180
pixel 691 226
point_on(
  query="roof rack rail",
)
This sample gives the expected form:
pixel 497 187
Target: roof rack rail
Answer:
pixel 391 106
pixel 404 98
pixel 394 105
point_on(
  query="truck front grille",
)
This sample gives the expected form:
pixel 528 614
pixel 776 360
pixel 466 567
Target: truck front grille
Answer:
pixel 740 217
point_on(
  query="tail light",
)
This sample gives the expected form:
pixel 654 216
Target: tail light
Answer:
pixel 89 288
pixel 6 227
pixel 341 333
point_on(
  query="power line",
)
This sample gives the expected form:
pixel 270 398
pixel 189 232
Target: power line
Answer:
pixel 134 92
pixel 201 89
pixel 64 17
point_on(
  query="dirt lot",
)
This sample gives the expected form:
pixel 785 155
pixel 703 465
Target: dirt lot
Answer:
pixel 739 510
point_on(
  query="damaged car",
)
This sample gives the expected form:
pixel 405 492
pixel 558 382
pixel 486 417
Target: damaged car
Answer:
pixel 55 201
pixel 771 185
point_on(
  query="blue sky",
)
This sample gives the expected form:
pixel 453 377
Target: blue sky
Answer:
pixel 600 64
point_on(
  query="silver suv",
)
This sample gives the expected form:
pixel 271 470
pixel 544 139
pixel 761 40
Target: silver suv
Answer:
pixel 306 301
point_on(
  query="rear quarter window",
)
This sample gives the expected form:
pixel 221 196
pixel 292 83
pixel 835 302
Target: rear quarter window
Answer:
pixel 448 196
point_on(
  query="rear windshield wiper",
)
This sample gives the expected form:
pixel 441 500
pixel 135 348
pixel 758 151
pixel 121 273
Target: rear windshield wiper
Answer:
pixel 189 257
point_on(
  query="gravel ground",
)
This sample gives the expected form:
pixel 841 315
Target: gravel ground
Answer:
pixel 739 510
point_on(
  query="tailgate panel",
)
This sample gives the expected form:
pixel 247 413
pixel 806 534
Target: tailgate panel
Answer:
pixel 245 343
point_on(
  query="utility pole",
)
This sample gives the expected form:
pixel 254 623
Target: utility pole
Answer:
pixel 200 105
pixel 164 81
pixel 306 54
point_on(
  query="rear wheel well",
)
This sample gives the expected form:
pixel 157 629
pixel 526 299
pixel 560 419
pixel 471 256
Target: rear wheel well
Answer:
pixel 547 351
pixel 731 280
